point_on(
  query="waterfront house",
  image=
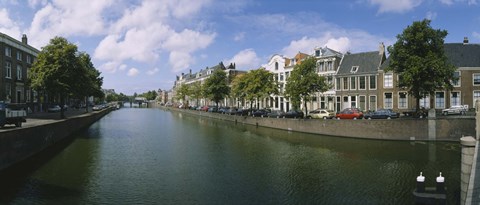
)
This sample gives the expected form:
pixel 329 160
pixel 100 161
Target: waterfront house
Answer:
pixel 356 80
pixel 466 89
pixel 16 58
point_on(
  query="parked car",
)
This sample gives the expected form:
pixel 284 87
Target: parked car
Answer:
pixel 213 109
pixel 223 109
pixel 276 114
pixel 54 108
pixel 261 113
pixel 243 112
pixel 350 113
pixel 321 114
pixel 204 108
pixel 294 114
pixel 455 110
pixel 231 111
pixel 381 114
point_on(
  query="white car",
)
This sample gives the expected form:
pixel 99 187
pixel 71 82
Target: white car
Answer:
pixel 455 109
pixel 321 114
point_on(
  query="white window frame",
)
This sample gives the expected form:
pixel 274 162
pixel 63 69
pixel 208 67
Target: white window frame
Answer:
pixel 29 59
pixel 354 69
pixel 459 81
pixel 345 83
pixel 369 84
pixel 473 79
pixel 475 97
pixel 389 83
pixel 372 106
pixel 364 106
pixel 8 51
pixel 436 103
pixel 459 97
pixel 399 101
pixel 353 84
pixel 19 72
pixel 365 81
pixel 19 55
pixel 8 70
pixel 390 105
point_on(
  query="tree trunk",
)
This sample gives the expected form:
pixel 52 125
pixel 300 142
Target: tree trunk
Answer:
pixel 62 106
pixel 305 105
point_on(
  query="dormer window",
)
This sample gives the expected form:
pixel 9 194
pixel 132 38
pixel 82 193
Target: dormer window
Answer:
pixel 354 69
pixel 317 53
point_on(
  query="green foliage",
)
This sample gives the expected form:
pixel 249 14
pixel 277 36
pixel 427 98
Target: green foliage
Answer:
pixel 196 91
pixel 303 82
pixel 216 87
pixel 418 57
pixel 61 71
pixel 150 95
pixel 256 84
pixel 182 92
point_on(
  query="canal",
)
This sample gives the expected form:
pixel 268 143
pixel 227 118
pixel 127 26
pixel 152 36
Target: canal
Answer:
pixel 152 156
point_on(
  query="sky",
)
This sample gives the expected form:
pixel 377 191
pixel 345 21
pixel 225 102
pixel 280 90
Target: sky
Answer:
pixel 142 45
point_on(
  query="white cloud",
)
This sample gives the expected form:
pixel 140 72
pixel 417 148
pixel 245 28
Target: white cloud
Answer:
pixel 8 26
pixel 306 44
pixel 153 71
pixel 143 32
pixel 431 15
pixel 451 2
pixel 68 18
pixel 239 36
pixel 132 72
pixel 112 66
pixel 246 59
pixel 398 6
pixel 476 35
pixel 34 3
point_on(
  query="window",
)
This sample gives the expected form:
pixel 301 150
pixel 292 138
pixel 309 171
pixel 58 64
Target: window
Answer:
pixel 345 83
pixel 439 100
pixel 354 69
pixel 337 82
pixel 388 101
pixel 373 103
pixel 330 65
pixel 8 90
pixel 8 51
pixel 8 69
pixel 373 82
pixel 281 76
pixel 19 55
pixel 402 100
pixel 476 79
pixel 476 96
pixel 456 81
pixel 353 83
pixel 361 80
pixel 455 98
pixel 276 65
pixel 29 59
pixel 388 80
pixel 19 72
pixel 287 74
pixel 353 101
pixel 338 102
pixel 362 100
pixel 317 52
pixel 330 80
pixel 425 102
pixel 321 66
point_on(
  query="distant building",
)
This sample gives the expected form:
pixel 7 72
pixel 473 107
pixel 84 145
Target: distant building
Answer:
pixel 16 58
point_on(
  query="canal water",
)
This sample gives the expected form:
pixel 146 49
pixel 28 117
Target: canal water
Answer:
pixel 152 156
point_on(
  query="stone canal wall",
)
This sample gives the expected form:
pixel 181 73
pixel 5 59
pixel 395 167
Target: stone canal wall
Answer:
pixel 19 144
pixel 431 129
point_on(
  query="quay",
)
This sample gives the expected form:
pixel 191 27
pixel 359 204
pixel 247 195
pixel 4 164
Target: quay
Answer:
pixel 41 131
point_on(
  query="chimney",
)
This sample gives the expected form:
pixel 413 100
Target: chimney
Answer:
pixel 24 39
pixel 465 40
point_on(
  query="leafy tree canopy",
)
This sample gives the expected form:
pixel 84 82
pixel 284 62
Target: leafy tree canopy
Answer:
pixel 303 82
pixel 216 87
pixel 418 57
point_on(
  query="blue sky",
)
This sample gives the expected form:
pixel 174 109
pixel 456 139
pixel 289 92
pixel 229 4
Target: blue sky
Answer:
pixel 141 45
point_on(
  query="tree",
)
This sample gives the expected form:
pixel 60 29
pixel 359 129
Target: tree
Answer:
pixel 216 87
pixel 182 92
pixel 91 82
pixel 239 86
pixel 419 59
pixel 196 91
pixel 303 82
pixel 56 70
pixel 260 84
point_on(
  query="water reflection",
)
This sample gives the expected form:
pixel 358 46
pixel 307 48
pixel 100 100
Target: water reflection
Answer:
pixel 151 156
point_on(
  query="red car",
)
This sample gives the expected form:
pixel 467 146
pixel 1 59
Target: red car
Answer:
pixel 350 113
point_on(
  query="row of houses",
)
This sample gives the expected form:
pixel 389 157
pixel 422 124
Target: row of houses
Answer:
pixel 360 80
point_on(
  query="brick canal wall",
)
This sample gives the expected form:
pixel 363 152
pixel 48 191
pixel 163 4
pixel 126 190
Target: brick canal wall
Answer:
pixel 436 129
pixel 17 145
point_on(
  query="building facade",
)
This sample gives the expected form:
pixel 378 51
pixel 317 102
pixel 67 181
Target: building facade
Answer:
pixel 16 58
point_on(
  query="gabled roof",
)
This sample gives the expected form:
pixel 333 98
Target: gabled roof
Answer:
pixel 368 63
pixel 463 55
pixel 326 52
